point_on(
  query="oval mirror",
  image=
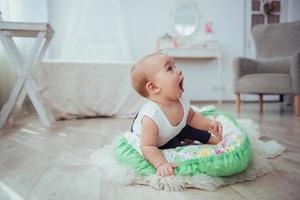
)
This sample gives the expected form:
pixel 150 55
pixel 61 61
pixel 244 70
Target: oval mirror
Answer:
pixel 185 20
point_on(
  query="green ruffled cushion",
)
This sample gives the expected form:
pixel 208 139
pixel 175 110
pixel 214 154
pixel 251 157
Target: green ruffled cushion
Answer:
pixel 232 155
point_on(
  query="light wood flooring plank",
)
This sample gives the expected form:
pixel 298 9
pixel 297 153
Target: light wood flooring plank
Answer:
pixel 39 163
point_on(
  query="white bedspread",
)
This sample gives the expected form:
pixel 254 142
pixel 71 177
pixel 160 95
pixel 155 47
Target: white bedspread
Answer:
pixel 87 89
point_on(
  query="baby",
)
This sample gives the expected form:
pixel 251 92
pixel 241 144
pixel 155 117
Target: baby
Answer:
pixel 167 119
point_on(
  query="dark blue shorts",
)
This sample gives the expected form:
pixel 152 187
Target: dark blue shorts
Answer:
pixel 189 133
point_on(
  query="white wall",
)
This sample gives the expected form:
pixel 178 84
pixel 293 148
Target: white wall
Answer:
pixel 147 20
pixel 293 10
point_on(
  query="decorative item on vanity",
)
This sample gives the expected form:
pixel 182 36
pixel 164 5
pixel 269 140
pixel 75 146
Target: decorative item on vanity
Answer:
pixel 166 41
pixel 208 31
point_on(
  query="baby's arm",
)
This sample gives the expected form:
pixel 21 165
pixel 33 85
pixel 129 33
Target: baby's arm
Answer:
pixel 149 134
pixel 198 121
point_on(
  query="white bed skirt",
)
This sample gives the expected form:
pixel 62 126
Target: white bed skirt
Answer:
pixel 72 89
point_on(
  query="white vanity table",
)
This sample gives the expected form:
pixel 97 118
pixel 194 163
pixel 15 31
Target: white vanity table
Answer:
pixel 199 53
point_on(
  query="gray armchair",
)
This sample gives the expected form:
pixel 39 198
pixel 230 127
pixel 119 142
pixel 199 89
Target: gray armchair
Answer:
pixel 276 69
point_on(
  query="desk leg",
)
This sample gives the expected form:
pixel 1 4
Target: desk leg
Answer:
pixel 220 78
pixel 24 78
pixel 30 86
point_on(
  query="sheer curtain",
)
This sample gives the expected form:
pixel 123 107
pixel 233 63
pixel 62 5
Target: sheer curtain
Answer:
pixel 24 11
pixel 10 11
pixel 89 30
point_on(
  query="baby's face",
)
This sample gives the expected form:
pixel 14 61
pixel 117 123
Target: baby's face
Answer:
pixel 166 76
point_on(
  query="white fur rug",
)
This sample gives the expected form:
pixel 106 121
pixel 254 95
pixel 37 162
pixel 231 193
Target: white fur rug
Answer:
pixel 120 174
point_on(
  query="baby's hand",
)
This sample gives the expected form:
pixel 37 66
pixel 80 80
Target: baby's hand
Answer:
pixel 166 169
pixel 215 128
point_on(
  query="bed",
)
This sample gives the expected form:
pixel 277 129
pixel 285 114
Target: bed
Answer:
pixel 77 89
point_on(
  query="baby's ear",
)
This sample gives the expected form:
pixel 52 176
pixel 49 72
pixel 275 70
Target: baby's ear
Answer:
pixel 152 88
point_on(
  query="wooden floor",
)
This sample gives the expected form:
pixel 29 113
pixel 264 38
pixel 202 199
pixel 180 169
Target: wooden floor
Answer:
pixel 39 163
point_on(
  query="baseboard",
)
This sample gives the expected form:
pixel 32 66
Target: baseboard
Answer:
pixel 230 101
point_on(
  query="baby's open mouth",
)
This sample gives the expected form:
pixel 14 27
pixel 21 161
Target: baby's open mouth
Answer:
pixel 181 84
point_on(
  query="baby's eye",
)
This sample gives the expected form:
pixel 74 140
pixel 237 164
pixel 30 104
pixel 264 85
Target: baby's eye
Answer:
pixel 169 68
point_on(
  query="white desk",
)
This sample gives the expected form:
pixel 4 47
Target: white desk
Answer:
pixel 199 53
pixel 25 83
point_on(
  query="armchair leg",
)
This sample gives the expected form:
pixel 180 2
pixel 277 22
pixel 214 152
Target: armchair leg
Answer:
pixel 297 105
pixel 261 100
pixel 238 102
pixel 281 97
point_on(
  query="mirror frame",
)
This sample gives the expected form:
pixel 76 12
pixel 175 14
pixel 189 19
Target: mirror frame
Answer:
pixel 195 7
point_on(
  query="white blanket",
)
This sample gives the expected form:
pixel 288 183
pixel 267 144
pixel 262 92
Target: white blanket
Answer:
pixel 86 89
pixel 114 172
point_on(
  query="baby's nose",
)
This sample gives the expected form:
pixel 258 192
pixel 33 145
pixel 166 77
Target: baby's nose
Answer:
pixel 179 71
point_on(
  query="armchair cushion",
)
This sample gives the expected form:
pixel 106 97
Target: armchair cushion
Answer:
pixel 274 65
pixel 244 66
pixel 263 83
pixel 265 76
pixel 276 40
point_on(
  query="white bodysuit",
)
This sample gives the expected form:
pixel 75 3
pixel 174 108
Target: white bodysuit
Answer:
pixel 166 131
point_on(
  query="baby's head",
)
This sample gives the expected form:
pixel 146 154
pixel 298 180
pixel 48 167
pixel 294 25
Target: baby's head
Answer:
pixel 156 74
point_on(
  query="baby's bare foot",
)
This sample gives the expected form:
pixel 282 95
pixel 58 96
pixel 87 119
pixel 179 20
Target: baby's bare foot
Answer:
pixel 219 137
